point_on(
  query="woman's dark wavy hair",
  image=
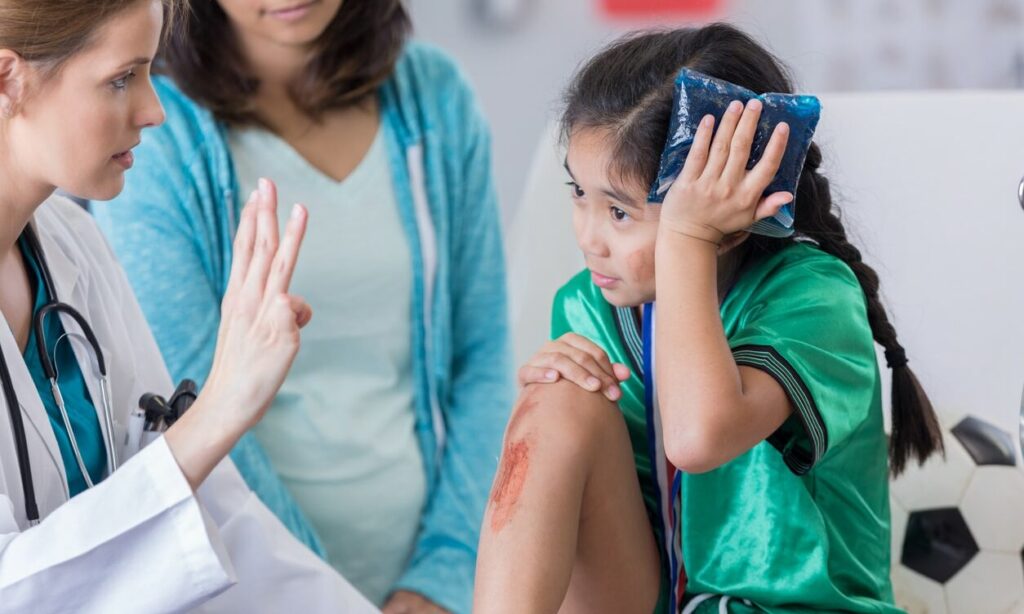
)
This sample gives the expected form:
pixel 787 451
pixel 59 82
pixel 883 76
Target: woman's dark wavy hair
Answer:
pixel 628 89
pixel 355 54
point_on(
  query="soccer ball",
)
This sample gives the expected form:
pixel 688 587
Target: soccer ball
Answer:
pixel 958 526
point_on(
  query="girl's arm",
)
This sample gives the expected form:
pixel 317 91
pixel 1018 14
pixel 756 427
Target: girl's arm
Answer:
pixel 712 409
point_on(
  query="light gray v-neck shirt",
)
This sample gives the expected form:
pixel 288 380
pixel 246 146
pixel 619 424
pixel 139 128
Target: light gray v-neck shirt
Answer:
pixel 341 431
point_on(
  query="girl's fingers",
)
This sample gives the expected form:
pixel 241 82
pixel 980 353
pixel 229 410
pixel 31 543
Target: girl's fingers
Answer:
pixel 266 241
pixel 697 157
pixel 582 375
pixel 604 376
pixel 771 204
pixel 723 139
pixel 568 369
pixel 288 252
pixel 742 141
pixel 529 374
pixel 591 349
pixel 622 372
pixel 764 171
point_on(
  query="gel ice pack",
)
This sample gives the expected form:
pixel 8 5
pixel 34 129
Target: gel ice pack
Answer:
pixel 698 95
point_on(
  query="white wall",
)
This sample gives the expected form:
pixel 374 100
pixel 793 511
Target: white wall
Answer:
pixel 835 45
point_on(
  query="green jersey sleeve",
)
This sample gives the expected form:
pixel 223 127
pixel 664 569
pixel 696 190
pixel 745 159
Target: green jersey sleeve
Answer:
pixel 801 317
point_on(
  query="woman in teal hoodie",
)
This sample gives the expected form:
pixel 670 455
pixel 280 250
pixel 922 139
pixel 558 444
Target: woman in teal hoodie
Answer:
pixel 380 449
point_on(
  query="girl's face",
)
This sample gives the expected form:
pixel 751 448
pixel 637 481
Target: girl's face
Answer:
pixel 616 229
pixel 75 129
pixel 281 22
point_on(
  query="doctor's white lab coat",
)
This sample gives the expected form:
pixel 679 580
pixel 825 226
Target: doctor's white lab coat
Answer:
pixel 140 541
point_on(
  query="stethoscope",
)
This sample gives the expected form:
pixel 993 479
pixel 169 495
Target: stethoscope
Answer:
pixel 53 305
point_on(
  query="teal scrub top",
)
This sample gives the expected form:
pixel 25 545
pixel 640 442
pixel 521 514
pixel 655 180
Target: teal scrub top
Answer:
pixel 81 411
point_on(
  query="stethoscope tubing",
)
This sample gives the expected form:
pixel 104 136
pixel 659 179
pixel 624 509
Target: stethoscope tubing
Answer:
pixel 53 305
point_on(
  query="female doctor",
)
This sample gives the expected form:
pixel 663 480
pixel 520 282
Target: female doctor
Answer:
pixel 85 524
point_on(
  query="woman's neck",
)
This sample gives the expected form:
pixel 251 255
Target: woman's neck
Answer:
pixel 19 199
pixel 276 67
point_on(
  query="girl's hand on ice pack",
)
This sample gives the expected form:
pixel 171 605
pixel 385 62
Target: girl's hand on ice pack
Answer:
pixel 715 195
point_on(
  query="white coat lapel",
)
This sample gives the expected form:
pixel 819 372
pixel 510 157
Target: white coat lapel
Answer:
pixel 72 288
pixel 49 479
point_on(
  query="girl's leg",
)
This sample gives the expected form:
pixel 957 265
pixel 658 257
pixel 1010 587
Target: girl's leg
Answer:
pixel 566 529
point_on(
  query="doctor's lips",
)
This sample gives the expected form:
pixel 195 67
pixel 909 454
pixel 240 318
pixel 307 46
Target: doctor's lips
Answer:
pixel 603 281
pixel 125 158
pixel 291 12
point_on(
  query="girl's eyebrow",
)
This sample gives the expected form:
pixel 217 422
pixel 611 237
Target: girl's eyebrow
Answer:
pixel 609 192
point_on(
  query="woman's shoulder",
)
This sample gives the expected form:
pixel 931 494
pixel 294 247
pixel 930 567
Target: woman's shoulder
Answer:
pixel 421 61
pixel 429 80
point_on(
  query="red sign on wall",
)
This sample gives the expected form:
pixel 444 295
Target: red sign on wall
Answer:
pixel 632 9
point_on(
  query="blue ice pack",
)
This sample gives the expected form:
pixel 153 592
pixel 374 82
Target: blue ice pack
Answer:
pixel 698 95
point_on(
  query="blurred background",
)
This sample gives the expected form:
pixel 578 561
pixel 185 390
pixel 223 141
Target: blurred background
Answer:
pixel 519 54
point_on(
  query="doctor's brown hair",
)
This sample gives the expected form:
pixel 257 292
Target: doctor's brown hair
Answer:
pixel 49 32
pixel 353 56
pixel 629 88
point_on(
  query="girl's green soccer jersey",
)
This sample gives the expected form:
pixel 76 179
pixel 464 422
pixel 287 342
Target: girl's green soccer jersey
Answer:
pixel 800 522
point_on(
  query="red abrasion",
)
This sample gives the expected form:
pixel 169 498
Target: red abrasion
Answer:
pixel 526 404
pixel 641 265
pixel 509 485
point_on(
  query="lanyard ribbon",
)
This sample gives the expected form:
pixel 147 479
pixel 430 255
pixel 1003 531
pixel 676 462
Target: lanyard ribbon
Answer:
pixel 667 480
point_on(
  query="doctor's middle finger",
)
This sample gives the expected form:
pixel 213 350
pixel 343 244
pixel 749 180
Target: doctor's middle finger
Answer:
pixel 266 242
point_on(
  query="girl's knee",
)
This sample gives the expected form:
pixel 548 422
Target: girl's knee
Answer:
pixel 564 412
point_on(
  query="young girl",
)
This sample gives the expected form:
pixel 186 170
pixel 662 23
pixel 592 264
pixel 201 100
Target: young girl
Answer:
pixel 759 458
pixel 382 442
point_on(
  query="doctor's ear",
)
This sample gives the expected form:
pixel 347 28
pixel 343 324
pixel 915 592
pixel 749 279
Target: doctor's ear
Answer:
pixel 14 72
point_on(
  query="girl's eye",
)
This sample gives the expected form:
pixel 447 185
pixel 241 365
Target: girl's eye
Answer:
pixel 122 83
pixel 618 214
pixel 576 190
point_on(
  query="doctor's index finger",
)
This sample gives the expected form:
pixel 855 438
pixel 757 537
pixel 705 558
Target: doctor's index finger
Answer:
pixel 241 251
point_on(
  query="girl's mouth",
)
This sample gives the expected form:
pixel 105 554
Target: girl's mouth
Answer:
pixel 603 281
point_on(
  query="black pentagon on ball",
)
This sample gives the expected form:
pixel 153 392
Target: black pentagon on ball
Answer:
pixel 938 543
pixel 986 443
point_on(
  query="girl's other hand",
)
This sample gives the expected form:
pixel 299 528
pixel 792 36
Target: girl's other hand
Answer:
pixel 579 360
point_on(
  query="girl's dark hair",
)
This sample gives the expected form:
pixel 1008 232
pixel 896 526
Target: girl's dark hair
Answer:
pixel 628 90
pixel 354 55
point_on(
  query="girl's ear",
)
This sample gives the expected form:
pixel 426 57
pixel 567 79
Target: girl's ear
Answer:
pixel 731 242
pixel 13 74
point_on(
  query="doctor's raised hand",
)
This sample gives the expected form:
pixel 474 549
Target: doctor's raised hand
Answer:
pixel 257 341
